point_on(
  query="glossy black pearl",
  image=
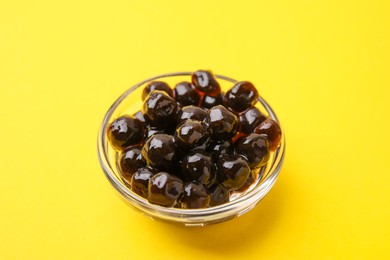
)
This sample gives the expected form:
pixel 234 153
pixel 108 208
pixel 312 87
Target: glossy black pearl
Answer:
pixel 272 131
pixel 191 134
pixel 191 112
pixel 218 195
pixel 159 151
pixel 186 94
pixel 218 147
pixel 210 101
pixel 250 119
pixel 255 148
pixel 241 96
pixel 140 116
pixel 129 161
pixel 253 176
pixel 156 85
pixel 159 109
pixel 223 123
pixel 233 170
pixel 195 196
pixel 198 166
pixel 125 131
pixel 140 181
pixel 151 130
pixel 205 82
pixel 164 189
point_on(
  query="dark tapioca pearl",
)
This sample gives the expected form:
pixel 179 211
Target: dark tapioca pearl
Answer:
pixel 210 101
pixel 140 181
pixel 271 129
pixel 159 109
pixel 191 134
pixel 216 148
pixel 241 96
pixel 205 82
pixel 222 123
pixel 159 151
pixel 218 195
pixel 186 94
pixel 213 180
pixel 249 119
pixel 140 116
pixel 176 169
pixel 164 189
pixel 253 176
pixel 125 131
pixel 233 170
pixel 151 130
pixel 170 129
pixel 195 196
pixel 198 166
pixel 191 112
pixel 129 161
pixel 179 107
pixel 156 85
pixel 255 148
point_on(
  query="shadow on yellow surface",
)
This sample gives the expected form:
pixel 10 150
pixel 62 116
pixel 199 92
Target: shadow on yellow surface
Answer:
pixel 235 235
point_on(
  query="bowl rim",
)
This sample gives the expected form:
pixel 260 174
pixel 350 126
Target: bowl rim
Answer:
pixel 253 196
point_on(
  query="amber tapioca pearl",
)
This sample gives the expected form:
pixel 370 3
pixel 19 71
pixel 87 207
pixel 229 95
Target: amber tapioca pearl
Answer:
pixel 218 195
pixel 255 148
pixel 191 112
pixel 156 85
pixel 271 129
pixel 222 123
pixel 233 170
pixel 241 96
pixel 129 161
pixel 159 151
pixel 186 94
pixel 125 131
pixel 159 109
pixel 195 196
pixel 198 166
pixel 191 134
pixel 164 189
pixel 210 101
pixel 205 82
pixel 140 181
pixel 238 136
pixel 249 119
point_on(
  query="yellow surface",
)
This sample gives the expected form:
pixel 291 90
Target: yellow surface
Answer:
pixel 324 67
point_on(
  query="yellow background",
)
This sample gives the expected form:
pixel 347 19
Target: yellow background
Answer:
pixel 323 66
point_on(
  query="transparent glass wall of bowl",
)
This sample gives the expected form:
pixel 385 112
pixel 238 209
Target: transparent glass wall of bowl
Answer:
pixel 129 103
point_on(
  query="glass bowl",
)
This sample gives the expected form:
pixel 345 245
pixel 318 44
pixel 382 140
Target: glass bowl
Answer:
pixel 130 102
